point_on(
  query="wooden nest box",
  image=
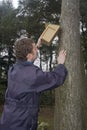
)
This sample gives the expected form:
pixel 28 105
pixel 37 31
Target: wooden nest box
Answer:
pixel 49 33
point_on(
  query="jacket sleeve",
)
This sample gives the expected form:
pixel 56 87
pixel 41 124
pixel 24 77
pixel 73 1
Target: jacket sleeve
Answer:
pixel 50 80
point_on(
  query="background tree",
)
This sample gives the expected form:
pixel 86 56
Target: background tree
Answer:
pixel 83 5
pixel 68 97
pixel 8 34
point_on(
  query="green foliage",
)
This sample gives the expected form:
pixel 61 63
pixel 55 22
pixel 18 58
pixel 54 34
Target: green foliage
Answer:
pixel 2 93
pixel 47 98
pixel 83 12
pixel 7 23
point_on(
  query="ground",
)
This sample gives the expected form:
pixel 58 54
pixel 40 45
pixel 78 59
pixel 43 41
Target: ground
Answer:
pixel 46 115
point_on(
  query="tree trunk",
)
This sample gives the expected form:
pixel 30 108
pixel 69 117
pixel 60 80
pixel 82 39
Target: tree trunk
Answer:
pixel 68 114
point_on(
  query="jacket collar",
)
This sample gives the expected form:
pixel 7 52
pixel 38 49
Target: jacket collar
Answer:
pixel 22 62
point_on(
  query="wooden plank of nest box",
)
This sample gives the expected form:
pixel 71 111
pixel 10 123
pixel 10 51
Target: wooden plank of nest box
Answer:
pixel 49 33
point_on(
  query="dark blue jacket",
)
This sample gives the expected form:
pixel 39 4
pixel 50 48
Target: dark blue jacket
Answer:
pixel 25 82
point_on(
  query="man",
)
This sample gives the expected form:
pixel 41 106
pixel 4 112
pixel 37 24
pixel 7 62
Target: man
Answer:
pixel 25 82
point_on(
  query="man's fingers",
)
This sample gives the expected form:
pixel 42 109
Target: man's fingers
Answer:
pixel 62 52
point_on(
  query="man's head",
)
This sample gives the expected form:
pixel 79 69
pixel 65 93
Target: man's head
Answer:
pixel 25 49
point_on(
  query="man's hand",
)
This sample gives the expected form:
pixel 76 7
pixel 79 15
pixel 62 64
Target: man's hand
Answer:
pixel 62 57
pixel 39 43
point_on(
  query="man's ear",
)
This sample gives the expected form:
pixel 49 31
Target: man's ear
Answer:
pixel 29 56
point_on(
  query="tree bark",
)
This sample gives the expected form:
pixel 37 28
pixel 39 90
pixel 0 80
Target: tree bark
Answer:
pixel 68 114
